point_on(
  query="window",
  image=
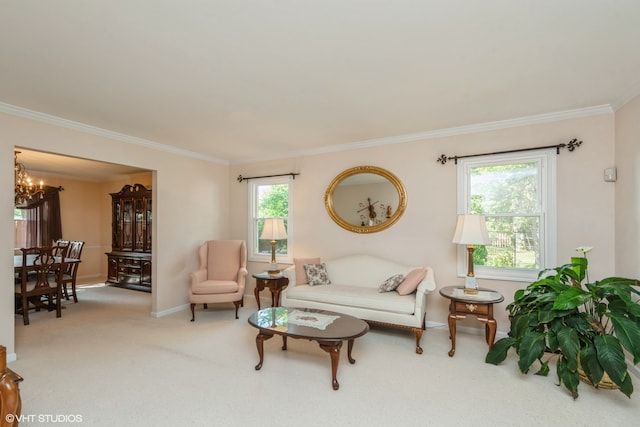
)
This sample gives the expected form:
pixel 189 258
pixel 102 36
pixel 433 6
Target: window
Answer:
pixel 516 194
pixel 20 228
pixel 269 198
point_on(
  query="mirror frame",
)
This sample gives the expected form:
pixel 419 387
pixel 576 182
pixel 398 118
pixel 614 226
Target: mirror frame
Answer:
pixel 402 199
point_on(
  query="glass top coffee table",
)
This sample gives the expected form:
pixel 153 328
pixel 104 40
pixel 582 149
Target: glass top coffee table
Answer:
pixel 329 329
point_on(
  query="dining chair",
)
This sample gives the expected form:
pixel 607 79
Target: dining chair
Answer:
pixel 40 277
pixel 71 271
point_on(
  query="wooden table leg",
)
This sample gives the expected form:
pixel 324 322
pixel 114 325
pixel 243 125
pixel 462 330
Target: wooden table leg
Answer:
pixel 349 348
pixel 260 339
pixel 452 333
pixel 275 298
pixel 333 348
pixel 256 293
pixel 491 332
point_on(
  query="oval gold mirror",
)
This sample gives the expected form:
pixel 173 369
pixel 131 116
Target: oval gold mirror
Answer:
pixel 365 199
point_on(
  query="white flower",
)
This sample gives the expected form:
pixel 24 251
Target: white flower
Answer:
pixel 584 249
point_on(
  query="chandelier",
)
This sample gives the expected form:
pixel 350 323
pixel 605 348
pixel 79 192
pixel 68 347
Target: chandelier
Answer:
pixel 25 189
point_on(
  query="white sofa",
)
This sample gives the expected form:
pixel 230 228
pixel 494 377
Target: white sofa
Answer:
pixel 355 281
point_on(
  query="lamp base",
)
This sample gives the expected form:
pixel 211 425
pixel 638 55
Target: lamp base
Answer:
pixel 273 269
pixel 470 285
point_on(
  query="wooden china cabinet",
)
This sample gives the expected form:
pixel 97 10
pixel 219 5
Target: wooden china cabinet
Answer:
pixel 129 262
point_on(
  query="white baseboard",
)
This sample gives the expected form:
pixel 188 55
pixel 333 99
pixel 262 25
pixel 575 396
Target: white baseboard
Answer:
pixel 12 357
pixel 169 311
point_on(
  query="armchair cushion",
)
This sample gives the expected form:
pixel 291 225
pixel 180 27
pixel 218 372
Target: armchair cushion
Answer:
pixel 214 287
pixel 224 258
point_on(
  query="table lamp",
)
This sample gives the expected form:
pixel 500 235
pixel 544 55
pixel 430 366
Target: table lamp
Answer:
pixel 471 230
pixel 273 230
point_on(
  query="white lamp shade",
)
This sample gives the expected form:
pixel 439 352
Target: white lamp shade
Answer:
pixel 273 229
pixel 471 230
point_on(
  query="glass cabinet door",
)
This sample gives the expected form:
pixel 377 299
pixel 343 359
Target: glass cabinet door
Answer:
pixel 148 226
pixel 127 225
pixel 140 226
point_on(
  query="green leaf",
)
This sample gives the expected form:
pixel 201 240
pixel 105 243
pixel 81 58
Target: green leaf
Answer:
pixel 628 333
pixel 498 352
pixel 611 357
pixel 590 364
pixel 571 298
pixel 544 368
pixel 570 346
pixel 519 325
pixel 580 267
pixel 627 386
pixel 570 378
pixel 531 348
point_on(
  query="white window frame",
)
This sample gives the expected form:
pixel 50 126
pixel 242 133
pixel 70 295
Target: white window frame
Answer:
pixel 546 160
pixel 252 243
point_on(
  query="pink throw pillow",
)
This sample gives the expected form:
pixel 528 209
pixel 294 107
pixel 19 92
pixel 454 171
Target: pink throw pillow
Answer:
pixel 411 282
pixel 301 274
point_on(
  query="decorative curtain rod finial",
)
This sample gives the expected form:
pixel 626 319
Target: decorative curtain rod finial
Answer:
pixel 573 144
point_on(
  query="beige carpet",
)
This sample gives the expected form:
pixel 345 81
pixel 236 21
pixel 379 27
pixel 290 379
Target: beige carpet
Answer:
pixel 106 362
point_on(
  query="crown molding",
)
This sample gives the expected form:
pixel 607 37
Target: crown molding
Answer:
pixel 421 136
pixel 448 132
pixel 630 94
pixel 92 130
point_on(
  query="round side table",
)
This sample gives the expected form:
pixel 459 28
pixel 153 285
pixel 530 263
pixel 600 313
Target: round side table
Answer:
pixel 275 282
pixel 479 305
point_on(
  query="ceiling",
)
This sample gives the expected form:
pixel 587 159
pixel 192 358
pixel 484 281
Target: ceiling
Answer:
pixel 40 165
pixel 238 81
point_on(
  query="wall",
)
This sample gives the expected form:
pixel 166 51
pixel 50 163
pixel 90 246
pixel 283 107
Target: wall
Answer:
pixel 190 205
pixel 627 161
pixel 423 235
pixel 196 200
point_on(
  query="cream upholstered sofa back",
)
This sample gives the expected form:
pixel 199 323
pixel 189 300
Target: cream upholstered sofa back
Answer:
pixel 363 270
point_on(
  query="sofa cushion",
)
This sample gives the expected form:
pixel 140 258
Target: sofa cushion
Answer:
pixel 411 282
pixel 317 274
pixel 391 283
pixel 354 296
pixel 301 274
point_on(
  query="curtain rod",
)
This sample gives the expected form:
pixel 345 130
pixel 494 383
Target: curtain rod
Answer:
pixel 571 145
pixel 247 178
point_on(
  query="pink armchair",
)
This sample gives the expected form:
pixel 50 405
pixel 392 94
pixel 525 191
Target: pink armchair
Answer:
pixel 222 274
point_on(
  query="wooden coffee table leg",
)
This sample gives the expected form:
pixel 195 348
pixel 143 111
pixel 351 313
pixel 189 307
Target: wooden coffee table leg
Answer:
pixel 349 348
pixel 333 348
pixel 260 339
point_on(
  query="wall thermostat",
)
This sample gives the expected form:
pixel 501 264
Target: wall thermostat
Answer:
pixel 610 175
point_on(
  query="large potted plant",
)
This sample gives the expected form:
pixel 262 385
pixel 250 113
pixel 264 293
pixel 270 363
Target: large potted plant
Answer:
pixel 585 325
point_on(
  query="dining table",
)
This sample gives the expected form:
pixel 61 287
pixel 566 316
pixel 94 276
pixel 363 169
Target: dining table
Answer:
pixel 17 261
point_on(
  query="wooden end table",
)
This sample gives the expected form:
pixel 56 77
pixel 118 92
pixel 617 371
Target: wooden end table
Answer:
pixel 479 305
pixel 275 282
